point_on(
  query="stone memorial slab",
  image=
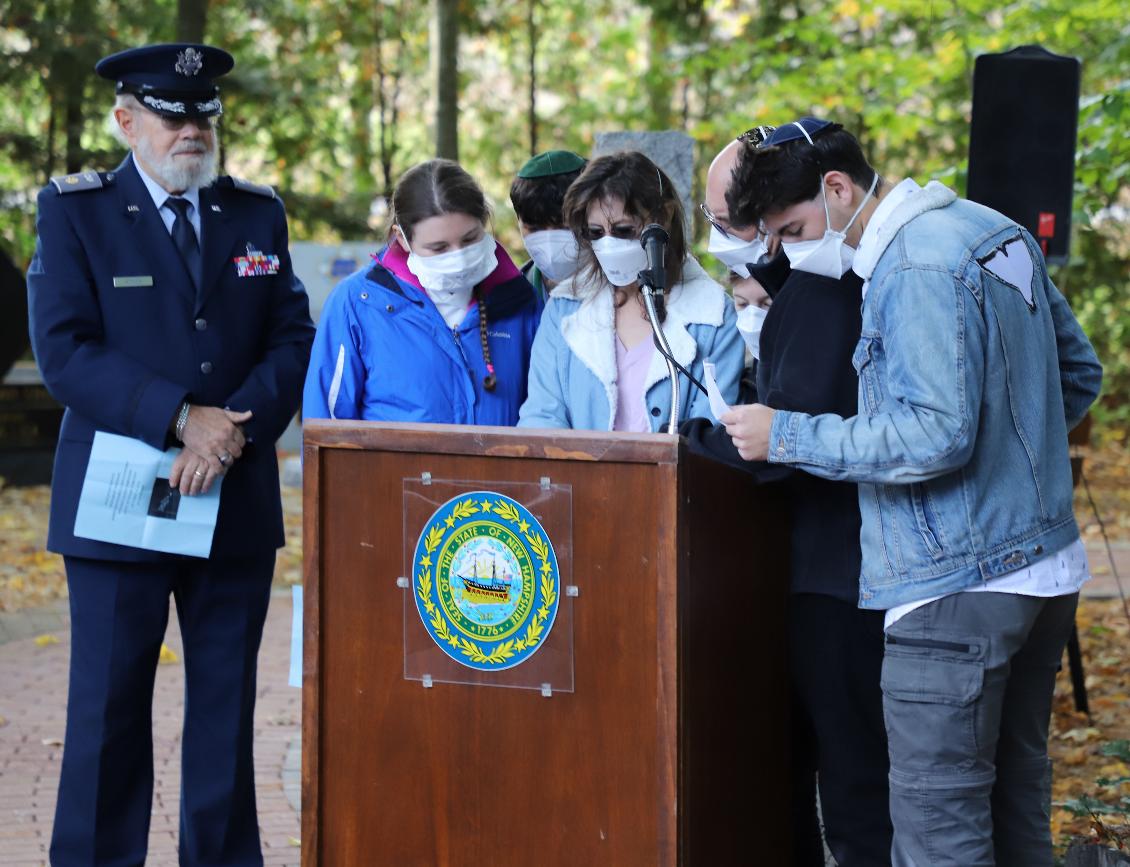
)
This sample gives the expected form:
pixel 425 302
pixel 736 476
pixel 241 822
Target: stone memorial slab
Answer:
pixel 671 150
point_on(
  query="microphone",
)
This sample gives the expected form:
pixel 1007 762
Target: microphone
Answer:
pixel 654 239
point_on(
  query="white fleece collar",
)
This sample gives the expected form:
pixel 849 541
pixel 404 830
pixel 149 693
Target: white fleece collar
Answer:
pixel 901 205
pixel 590 331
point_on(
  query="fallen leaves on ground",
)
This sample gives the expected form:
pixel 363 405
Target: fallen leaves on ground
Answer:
pixel 31 577
pixel 1076 743
pixel 1106 471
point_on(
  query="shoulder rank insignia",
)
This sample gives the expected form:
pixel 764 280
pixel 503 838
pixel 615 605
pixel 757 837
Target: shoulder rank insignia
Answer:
pixel 248 187
pixel 486 581
pixel 80 181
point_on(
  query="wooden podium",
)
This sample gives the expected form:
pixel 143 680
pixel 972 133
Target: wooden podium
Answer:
pixel 670 749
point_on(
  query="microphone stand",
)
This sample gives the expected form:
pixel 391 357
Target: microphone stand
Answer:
pixel 653 302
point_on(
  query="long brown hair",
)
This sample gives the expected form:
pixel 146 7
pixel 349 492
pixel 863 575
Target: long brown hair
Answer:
pixel 648 195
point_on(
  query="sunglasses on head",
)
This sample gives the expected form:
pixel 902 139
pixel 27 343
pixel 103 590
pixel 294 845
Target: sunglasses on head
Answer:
pixel 754 137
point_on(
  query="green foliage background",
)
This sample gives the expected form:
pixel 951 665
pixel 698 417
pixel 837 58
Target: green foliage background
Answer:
pixel 332 99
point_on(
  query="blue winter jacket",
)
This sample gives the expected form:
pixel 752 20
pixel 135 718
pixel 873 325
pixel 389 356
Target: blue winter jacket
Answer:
pixel 384 353
pixel 573 371
pixel 972 369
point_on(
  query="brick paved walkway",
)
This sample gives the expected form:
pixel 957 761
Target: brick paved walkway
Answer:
pixel 33 688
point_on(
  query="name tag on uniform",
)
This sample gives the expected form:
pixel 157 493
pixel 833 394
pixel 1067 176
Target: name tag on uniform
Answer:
pixel 131 282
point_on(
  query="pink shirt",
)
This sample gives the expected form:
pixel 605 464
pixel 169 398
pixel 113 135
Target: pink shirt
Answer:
pixel 631 371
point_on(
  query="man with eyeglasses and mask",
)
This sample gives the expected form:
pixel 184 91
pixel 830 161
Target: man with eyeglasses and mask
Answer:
pixel 972 369
pixel 755 274
pixel 835 649
pixel 163 308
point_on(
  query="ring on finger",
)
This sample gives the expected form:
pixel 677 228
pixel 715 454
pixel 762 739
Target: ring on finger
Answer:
pixel 224 459
pixel 198 473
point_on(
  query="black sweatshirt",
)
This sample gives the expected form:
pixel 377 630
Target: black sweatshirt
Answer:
pixel 807 342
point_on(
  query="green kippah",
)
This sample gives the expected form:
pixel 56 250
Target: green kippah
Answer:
pixel 551 163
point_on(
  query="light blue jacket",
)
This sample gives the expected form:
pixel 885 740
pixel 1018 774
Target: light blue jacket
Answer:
pixel 968 385
pixel 573 368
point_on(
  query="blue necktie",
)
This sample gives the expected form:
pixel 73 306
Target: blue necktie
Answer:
pixel 184 236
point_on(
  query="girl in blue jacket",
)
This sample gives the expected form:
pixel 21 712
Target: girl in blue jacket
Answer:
pixel 439 328
pixel 594 363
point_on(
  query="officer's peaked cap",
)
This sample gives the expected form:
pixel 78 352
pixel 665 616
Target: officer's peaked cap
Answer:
pixel 173 80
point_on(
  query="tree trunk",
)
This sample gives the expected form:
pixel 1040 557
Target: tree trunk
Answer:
pixel 73 120
pixel 52 126
pixel 386 92
pixel 659 85
pixel 191 17
pixel 73 68
pixel 445 59
pixel 361 110
pixel 532 30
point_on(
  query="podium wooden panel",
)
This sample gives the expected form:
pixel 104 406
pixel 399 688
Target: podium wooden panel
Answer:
pixel 672 749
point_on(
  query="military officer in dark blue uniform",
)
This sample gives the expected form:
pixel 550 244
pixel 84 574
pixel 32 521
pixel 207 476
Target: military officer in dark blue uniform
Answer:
pixel 163 307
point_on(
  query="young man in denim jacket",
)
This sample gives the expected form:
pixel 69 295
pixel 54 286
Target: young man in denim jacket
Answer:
pixel 972 369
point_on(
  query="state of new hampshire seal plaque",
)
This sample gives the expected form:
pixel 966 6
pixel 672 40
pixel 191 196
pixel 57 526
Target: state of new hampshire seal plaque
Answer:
pixel 486 581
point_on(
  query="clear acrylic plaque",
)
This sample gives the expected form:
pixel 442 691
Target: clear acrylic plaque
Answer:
pixel 549 668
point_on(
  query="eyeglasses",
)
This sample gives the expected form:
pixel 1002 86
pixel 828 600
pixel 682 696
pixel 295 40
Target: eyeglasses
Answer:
pixel 713 220
pixel 174 124
pixel 624 231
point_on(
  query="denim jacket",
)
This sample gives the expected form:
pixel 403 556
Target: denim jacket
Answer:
pixel 968 385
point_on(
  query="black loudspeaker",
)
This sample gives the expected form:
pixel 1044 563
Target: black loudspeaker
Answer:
pixel 1022 141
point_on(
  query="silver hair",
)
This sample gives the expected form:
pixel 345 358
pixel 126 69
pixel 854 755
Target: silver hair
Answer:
pixel 122 100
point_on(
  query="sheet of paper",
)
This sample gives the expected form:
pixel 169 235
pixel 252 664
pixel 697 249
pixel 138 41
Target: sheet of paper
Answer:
pixel 126 499
pixel 295 678
pixel 718 405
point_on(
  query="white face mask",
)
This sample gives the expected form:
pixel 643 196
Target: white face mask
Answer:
pixel 735 253
pixel 451 277
pixel 828 256
pixel 554 252
pixel 621 259
pixel 750 321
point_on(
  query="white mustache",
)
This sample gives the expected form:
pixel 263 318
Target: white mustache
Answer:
pixel 191 149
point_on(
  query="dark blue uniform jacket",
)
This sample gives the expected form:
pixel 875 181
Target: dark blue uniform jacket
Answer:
pixel 121 358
